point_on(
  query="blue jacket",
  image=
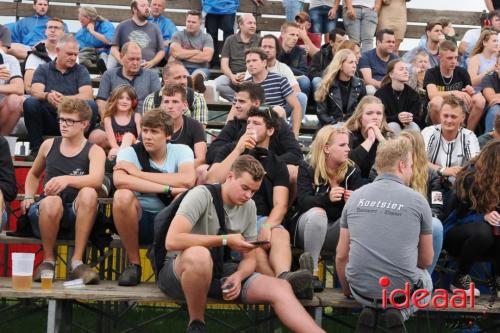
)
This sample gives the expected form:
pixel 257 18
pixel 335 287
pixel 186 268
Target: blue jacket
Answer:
pixel 221 6
pixel 167 28
pixel 86 39
pixel 30 30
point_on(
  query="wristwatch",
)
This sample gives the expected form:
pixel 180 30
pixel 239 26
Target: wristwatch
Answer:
pixel 441 171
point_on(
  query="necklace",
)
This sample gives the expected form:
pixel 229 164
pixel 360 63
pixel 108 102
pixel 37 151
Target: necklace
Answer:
pixel 444 81
pixel 177 136
pixel 398 96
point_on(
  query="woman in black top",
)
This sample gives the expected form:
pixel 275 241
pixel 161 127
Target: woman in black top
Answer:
pixel 340 90
pixel 368 129
pixel 401 102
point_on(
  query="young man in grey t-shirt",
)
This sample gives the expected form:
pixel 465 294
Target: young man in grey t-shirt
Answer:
pixel 386 231
pixel 194 230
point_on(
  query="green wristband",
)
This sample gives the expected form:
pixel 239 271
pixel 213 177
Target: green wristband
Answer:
pixel 267 225
pixel 166 189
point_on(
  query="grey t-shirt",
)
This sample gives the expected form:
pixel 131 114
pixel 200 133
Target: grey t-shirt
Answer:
pixel 385 220
pixel 234 49
pixel 148 37
pixel 197 206
pixel 193 42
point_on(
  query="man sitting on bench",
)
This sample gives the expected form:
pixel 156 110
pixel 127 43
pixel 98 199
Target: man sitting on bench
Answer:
pixel 74 170
pixel 193 230
pixel 147 175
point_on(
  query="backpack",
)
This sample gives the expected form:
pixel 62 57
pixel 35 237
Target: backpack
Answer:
pixel 143 157
pixel 157 252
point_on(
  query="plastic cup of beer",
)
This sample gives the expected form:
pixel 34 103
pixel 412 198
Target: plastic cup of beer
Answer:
pixel 22 270
pixel 46 276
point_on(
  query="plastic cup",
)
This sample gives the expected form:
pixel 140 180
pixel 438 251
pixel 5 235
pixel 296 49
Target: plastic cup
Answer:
pixel 22 270
pixel 46 277
pixel 225 288
pixel 12 144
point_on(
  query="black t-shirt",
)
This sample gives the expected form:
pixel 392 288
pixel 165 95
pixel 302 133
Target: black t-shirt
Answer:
pixel 496 4
pixel 191 133
pixel 398 101
pixel 491 81
pixel 276 175
pixel 458 81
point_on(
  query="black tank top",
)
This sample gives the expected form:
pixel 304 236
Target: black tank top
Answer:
pixel 120 130
pixel 59 165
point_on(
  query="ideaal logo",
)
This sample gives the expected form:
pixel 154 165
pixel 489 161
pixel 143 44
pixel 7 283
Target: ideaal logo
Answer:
pixel 439 299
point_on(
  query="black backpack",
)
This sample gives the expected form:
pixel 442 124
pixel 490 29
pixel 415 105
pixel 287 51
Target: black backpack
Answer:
pixel 157 253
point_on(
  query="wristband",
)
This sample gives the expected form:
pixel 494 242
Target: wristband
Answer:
pixel 267 225
pixel 224 240
pixel 29 197
pixel 166 189
pixel 441 171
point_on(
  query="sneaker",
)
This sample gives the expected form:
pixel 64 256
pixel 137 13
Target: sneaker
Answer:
pixel 44 266
pixel 394 321
pixel 462 281
pixel 196 326
pixel 301 282
pixel 131 276
pixel 87 274
pixel 318 285
pixel 105 189
pixel 199 83
pixel 306 262
pixel 367 321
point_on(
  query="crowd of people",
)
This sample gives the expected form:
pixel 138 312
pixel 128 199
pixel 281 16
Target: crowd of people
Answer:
pixel 406 155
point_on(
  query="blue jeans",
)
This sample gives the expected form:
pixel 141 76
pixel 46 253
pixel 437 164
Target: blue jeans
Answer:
pixel 204 71
pixel 304 84
pixel 319 20
pixel 362 27
pixel 303 106
pixel 315 82
pixel 437 242
pixel 292 7
pixel 489 122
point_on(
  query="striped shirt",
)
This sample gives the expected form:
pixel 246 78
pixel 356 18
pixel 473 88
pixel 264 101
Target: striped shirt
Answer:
pixel 276 88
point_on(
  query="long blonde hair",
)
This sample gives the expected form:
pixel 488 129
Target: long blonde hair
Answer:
pixel 420 178
pixel 353 124
pixel 331 73
pixel 484 37
pixel 317 156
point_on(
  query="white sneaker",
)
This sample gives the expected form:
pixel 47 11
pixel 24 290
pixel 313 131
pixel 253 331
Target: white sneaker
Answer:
pixel 463 281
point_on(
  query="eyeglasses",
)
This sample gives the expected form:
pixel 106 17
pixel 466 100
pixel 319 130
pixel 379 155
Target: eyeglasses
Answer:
pixel 53 28
pixel 68 122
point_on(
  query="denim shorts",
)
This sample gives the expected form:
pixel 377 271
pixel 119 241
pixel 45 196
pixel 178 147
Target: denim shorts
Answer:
pixel 4 219
pixel 146 227
pixel 169 283
pixel 67 223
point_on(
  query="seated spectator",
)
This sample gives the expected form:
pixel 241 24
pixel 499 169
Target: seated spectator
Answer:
pixel 483 58
pixel 175 73
pixel 340 90
pixel 401 103
pixel 194 48
pixel 309 41
pixel 74 170
pixel 11 92
pixel 493 135
pixel 232 62
pixel 144 81
pixel 147 176
pixel 8 187
pixel 428 44
pixel 44 52
pixel 219 15
pixel 324 185
pixel 448 79
pixel 293 55
pixel 369 237
pixel 94 37
pixel 272 47
pixel 271 199
pixel 471 37
pixel 167 27
pixel 368 129
pixel 121 122
pixel 53 81
pixel 139 30
pixel 186 130
pixel 323 18
pixel 360 21
pixel 418 67
pixel 373 63
pixel 491 91
pixel 277 89
pixel 449 145
pixel 354 47
pixel 468 233
pixel 283 144
pixel 324 57
pixel 190 273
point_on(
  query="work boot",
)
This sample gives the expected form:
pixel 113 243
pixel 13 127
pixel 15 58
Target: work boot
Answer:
pixel 367 321
pixel 87 274
pixel 131 276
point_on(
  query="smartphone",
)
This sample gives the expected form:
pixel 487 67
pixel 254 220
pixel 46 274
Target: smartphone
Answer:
pixel 258 243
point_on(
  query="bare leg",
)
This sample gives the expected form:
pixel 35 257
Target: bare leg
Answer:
pixel 126 215
pixel 263 264
pixel 86 210
pixel 193 267
pixel 476 112
pixel 279 294
pixel 51 212
pixel 435 109
pixel 280 256
pixel 98 137
pixel 10 111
